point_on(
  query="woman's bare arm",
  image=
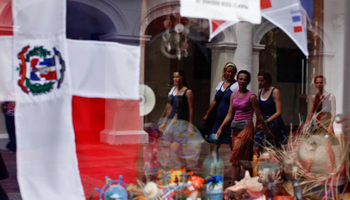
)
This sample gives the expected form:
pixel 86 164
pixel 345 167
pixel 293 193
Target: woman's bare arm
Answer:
pixel 312 108
pixel 211 107
pixel 190 100
pixel 165 112
pixel 255 104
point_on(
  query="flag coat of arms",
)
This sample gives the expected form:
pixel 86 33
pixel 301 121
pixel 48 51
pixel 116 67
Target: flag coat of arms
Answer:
pixel 45 73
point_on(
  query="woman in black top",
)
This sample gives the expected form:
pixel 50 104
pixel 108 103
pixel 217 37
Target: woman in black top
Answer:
pixel 178 126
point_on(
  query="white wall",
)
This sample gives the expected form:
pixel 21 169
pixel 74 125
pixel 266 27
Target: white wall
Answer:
pixel 333 59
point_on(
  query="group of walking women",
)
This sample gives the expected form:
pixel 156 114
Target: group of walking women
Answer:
pixel 239 104
pixel 234 105
pixel 234 101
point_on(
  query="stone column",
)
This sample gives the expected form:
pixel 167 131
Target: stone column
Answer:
pixel 255 67
pixel 222 52
pixel 243 56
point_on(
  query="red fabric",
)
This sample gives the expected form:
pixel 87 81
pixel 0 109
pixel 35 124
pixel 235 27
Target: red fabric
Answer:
pixel 6 20
pixel 50 76
pixel 150 153
pixel 96 160
pixel 298 29
pixel 265 4
pixel 216 24
pixel 88 119
pixel 122 115
pixel 242 144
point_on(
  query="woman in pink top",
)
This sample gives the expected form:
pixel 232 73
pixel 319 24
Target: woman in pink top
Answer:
pixel 244 103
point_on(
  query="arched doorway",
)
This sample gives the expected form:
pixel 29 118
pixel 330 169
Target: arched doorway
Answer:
pixel 287 65
pixel 86 22
pixel 159 63
pixel 292 73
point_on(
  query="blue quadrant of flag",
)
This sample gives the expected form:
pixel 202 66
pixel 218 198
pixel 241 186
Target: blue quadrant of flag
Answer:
pixel 296 18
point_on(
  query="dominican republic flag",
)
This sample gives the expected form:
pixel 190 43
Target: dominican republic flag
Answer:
pixel 66 93
pixel 288 15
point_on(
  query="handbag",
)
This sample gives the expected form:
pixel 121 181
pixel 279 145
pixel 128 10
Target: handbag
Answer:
pixel 209 123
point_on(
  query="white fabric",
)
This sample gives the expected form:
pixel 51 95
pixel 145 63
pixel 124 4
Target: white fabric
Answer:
pixel 39 17
pixel 221 27
pixel 46 158
pixel 171 91
pixel 262 99
pixel 123 137
pixel 95 61
pixel 228 10
pixel 233 87
pixel 46 155
pixel 219 86
pixel 281 14
pixel 6 75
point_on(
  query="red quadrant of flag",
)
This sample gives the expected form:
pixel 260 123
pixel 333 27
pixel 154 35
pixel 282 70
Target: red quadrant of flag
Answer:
pixel 265 4
pixel 6 21
pixel 216 23
pixel 96 159
pixel 298 29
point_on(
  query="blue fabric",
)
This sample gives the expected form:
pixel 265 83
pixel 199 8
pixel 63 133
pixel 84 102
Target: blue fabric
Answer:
pixel 296 18
pixel 277 128
pixel 268 108
pixel 225 137
pixel 171 100
pixel 308 5
pixel 179 105
pixel 173 106
pixel 10 127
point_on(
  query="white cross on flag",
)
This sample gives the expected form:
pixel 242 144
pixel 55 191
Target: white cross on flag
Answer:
pixel 41 70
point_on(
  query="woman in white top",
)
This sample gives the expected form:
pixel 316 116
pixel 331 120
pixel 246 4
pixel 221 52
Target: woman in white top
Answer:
pixel 322 109
pixel 222 103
